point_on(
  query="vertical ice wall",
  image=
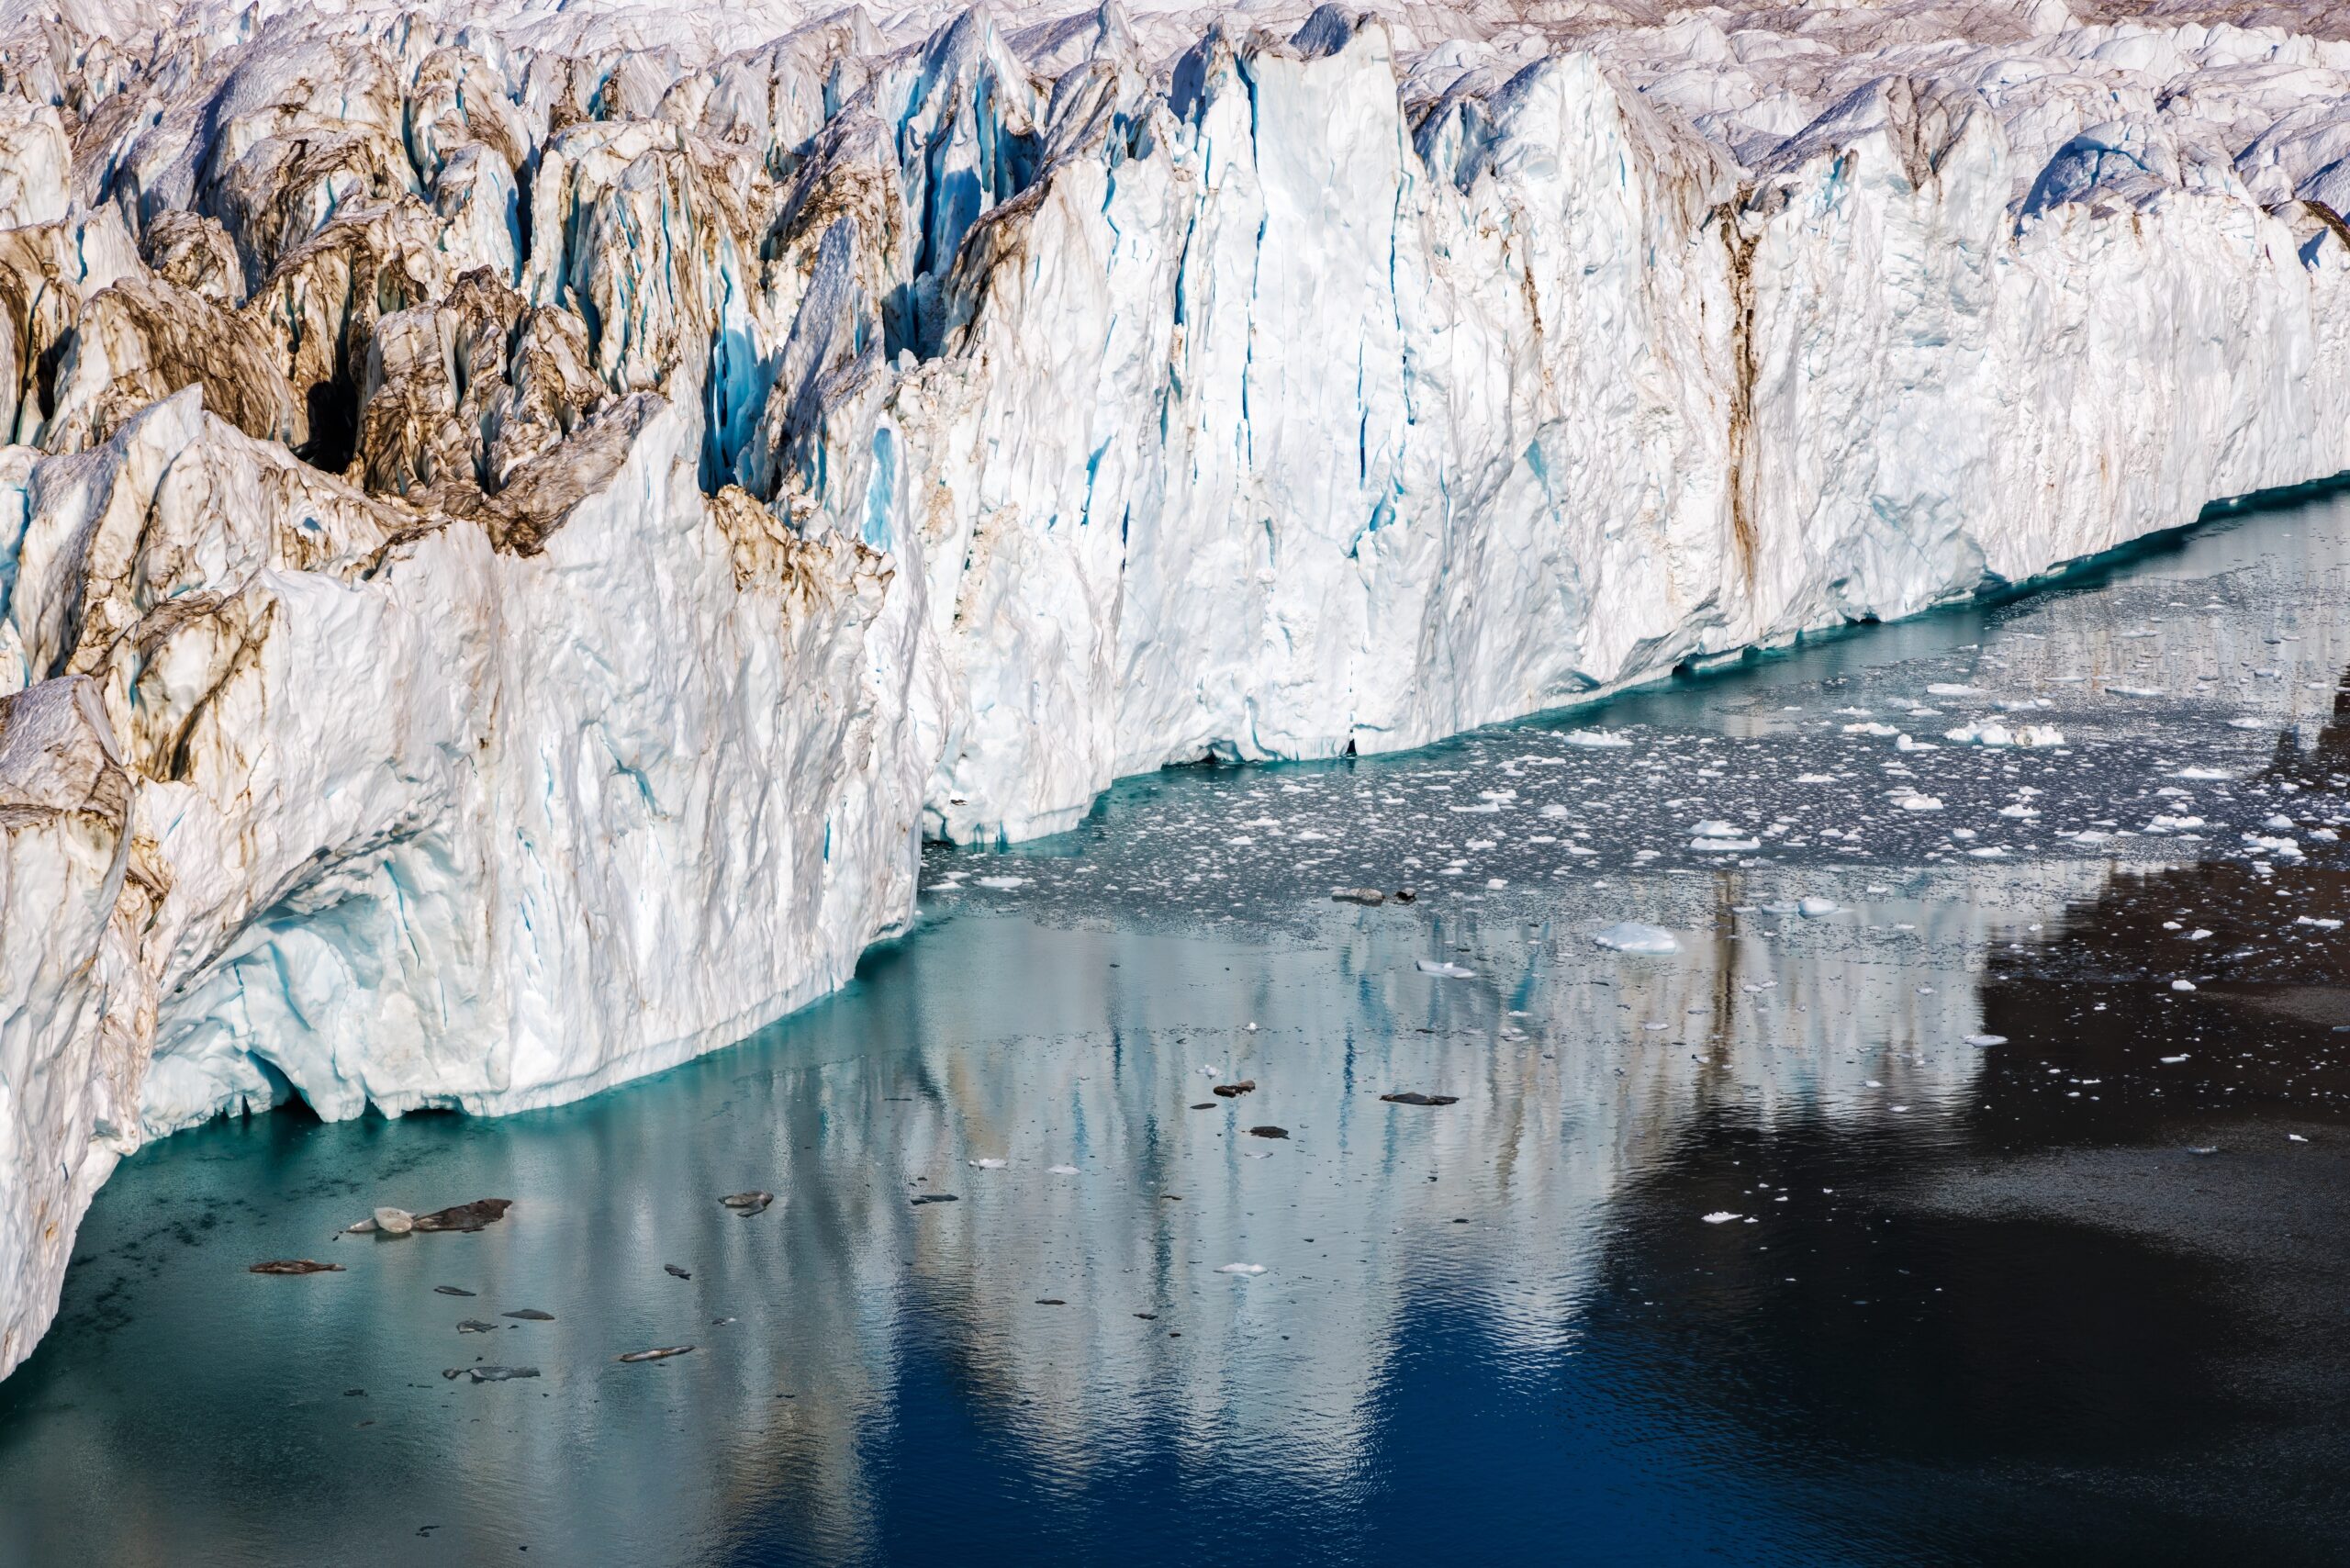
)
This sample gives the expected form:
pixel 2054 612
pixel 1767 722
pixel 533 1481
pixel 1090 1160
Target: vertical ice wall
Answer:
pixel 518 520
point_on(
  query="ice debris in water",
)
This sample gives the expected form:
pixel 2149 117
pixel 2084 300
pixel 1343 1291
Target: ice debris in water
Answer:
pixel 1242 1269
pixel 1720 837
pixel 985 1164
pixel 1813 908
pixel 1060 1169
pixel 1445 970
pixel 1597 740
pixel 1720 1216
pixel 1991 733
pixel 1632 936
pixel 1986 1039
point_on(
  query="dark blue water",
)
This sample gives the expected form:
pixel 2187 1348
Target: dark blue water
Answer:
pixel 1973 1302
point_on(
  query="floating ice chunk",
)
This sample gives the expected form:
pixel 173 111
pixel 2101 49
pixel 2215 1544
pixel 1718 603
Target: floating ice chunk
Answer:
pixel 2091 835
pixel 1631 936
pixel 1879 730
pixel 2200 934
pixel 1060 1169
pixel 1444 971
pixel 2182 985
pixel 2248 724
pixel 1987 1040
pixel 1554 811
pixel 1004 882
pixel 2137 691
pixel 1715 829
pixel 2322 923
pixel 1242 1269
pixel 985 1164
pixel 1989 852
pixel 1720 1216
pixel 2019 812
pixel 1815 779
pixel 1991 733
pixel 2174 1061
pixel 1907 743
pixel 1724 846
pixel 1596 739
pixel 2167 823
pixel 1919 803
pixel 1949 688
pixel 2279 823
pixel 1813 908
pixel 2203 775
pixel 2284 848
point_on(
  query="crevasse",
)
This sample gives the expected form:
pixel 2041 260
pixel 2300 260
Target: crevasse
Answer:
pixel 520 520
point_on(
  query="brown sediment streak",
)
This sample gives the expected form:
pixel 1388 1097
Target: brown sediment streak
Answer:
pixel 1741 393
pixel 2331 219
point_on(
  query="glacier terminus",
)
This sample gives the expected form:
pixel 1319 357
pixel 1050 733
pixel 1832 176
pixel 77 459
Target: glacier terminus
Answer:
pixel 520 520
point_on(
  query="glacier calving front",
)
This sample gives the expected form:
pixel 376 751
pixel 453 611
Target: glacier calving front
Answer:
pixel 521 520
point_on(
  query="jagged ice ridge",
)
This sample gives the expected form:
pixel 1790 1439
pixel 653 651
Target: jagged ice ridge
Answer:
pixel 518 520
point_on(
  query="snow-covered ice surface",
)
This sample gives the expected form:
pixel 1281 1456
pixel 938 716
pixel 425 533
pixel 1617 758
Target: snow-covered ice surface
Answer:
pixel 520 517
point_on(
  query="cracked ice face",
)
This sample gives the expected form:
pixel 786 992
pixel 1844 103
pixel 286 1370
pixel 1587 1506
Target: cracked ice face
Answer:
pixel 524 495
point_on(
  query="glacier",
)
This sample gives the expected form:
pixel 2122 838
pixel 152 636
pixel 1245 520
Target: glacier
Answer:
pixel 519 518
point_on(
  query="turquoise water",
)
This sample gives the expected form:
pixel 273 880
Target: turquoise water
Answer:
pixel 1975 1302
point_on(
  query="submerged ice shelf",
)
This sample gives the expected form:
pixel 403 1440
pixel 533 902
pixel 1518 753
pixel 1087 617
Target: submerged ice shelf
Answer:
pixel 506 500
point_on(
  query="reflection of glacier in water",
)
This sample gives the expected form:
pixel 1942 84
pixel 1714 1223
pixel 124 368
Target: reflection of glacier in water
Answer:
pixel 1480 1324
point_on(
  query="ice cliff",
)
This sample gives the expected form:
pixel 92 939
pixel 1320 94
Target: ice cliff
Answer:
pixel 519 518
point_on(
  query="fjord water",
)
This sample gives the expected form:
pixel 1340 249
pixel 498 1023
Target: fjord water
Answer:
pixel 2028 1128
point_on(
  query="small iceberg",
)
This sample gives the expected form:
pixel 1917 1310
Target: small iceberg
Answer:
pixel 1446 971
pixel 1631 936
pixel 1991 733
pixel 1597 739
